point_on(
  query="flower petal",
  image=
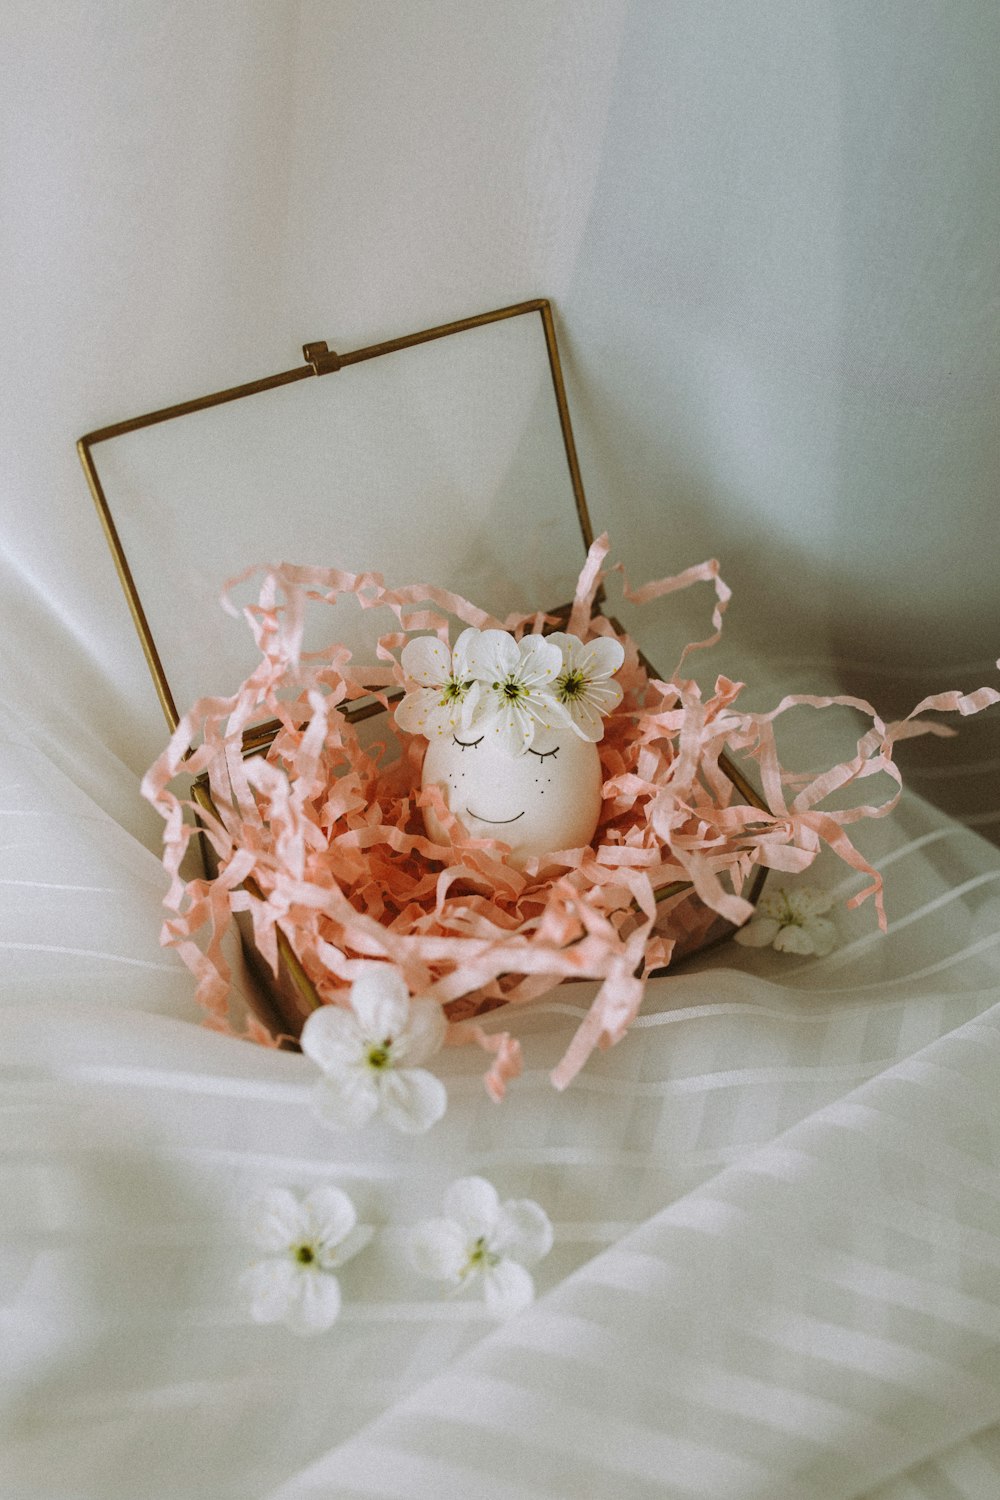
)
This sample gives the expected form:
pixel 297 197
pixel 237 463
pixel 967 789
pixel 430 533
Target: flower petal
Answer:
pixel 329 1216
pixel 331 1038
pixel 270 1286
pixel 545 709
pixel 568 647
pixel 443 719
pixel 600 658
pixel 474 1204
pixel 315 1306
pixel 439 1249
pixel 460 668
pixel 276 1219
pixel 427 660
pixel 423 1034
pixel 508 1288
pixel 512 731
pixel 604 696
pixel 809 901
pixel 481 710
pixel 775 904
pixel 418 710
pixel 794 939
pixel 381 1001
pixel 345 1101
pixel 523 1231
pixel 360 1236
pixel 596 661
pixel 586 720
pixel 541 661
pixel 759 932
pixel 411 1098
pixel 469 705
pixel 493 656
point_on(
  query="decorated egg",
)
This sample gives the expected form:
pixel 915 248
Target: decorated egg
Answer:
pixel 513 724
pixel 547 799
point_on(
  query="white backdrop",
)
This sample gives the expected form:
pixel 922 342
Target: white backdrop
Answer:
pixel 771 231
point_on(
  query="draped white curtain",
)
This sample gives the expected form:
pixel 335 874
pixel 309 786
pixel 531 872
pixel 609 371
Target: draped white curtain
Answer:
pixel 770 231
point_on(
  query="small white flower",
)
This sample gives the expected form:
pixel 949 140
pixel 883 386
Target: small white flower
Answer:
pixel 295 1284
pixel 516 699
pixel 584 686
pixel 447 688
pixel 480 1238
pixel 792 922
pixel 371 1055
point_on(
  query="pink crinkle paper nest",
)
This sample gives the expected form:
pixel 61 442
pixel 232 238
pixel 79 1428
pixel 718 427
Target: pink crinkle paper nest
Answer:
pixel 331 837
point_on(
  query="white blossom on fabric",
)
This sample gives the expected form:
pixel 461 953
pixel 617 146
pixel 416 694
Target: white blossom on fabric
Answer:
pixel 480 1239
pixel 372 1055
pixel 583 686
pixel 515 701
pixel 294 1284
pixel 791 921
pixel 446 688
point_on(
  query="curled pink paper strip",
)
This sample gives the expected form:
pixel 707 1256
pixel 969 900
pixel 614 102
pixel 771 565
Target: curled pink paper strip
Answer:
pixel 332 836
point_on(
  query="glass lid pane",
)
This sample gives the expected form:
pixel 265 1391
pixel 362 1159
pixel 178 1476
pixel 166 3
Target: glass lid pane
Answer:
pixel 442 463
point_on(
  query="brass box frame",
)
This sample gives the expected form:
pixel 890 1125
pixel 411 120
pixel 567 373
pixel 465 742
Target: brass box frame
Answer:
pixel 290 996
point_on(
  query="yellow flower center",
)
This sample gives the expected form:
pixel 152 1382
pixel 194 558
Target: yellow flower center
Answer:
pixel 481 1257
pixel 380 1054
pixel 571 686
pixel 454 690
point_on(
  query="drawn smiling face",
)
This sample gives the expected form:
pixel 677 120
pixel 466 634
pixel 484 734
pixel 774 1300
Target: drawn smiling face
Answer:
pixel 547 799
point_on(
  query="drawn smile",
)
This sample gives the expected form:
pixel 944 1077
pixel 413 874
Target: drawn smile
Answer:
pixel 496 821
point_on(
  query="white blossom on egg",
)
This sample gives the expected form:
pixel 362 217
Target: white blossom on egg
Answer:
pixel 583 686
pixel 294 1283
pixel 372 1055
pixel 791 921
pixel 515 701
pixel 446 689
pixel 480 1239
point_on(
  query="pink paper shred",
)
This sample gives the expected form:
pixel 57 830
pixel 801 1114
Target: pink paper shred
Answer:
pixel 333 838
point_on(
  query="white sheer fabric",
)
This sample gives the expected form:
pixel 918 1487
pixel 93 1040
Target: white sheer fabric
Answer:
pixel 770 231
pixel 776 1211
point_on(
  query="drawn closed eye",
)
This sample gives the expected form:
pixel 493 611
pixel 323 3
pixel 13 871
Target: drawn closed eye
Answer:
pixel 543 755
pixel 467 744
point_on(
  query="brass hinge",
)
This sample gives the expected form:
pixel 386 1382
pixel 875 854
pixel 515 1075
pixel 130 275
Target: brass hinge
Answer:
pixel 321 357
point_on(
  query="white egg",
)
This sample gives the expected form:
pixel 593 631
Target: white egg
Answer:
pixel 549 798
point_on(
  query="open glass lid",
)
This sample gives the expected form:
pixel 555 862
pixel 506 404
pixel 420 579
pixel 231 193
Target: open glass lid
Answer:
pixel 443 457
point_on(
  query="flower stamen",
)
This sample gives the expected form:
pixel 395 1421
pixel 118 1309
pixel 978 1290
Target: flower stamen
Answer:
pixel 454 690
pixel 570 686
pixel 481 1258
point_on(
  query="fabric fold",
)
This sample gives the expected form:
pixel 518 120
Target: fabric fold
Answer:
pixel 815 1320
